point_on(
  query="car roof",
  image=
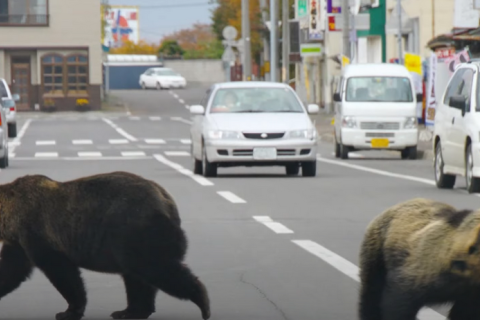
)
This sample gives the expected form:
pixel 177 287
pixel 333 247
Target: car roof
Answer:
pixel 251 84
pixel 375 69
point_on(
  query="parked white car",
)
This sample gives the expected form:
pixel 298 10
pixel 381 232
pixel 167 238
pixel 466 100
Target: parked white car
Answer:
pixel 376 109
pixel 161 78
pixel 456 138
pixel 8 103
pixel 3 139
pixel 253 124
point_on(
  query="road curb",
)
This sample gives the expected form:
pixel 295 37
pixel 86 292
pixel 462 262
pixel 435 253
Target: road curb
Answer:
pixel 425 154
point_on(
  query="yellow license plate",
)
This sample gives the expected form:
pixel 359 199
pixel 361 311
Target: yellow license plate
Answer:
pixel 380 143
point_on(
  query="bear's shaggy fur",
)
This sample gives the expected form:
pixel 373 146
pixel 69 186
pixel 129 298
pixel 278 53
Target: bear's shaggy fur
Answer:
pixel 420 253
pixel 113 223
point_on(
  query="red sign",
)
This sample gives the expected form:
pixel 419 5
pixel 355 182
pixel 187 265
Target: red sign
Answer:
pixel 331 23
pixel 444 53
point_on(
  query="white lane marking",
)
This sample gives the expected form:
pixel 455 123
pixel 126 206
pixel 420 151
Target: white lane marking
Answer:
pixel 134 118
pixel 175 95
pixel 187 106
pixel 181 120
pixel 83 158
pixel 275 226
pixel 46 154
pixel 118 141
pixel 45 143
pixel 351 270
pixel 199 179
pixel 90 154
pixel 186 141
pixel 177 153
pixel 12 145
pixel 155 118
pixel 133 153
pixel 82 141
pixel 233 198
pixel 181 101
pixel 380 172
pixel 155 141
pixel 119 130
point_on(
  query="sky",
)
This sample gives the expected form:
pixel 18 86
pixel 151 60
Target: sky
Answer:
pixel 160 17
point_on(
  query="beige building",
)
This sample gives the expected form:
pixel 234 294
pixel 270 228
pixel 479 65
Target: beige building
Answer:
pixel 422 25
pixel 50 49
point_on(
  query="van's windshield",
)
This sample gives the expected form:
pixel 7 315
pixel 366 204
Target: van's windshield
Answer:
pixel 379 89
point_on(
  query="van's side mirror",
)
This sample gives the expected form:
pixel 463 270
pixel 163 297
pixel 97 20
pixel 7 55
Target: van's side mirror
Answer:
pixel 459 102
pixel 336 97
pixel 419 97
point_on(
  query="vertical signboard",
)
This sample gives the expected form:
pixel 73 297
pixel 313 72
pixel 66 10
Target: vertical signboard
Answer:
pixel 121 25
pixel 334 6
pixel 316 23
pixel 431 101
pixel 302 13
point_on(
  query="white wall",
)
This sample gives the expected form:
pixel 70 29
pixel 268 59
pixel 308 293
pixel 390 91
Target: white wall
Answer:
pixel 204 71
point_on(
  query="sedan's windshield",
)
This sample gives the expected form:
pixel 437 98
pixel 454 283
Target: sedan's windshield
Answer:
pixel 246 100
pixel 379 89
pixel 8 103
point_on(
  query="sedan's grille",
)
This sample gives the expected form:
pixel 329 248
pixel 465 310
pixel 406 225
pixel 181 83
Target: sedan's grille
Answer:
pixel 285 152
pixel 272 135
pixel 242 152
pixel 380 135
pixel 380 125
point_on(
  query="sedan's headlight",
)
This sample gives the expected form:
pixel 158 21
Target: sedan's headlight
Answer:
pixel 410 123
pixel 303 134
pixel 220 134
pixel 349 122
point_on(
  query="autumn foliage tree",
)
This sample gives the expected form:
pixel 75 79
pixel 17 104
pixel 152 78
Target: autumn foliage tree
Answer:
pixel 142 47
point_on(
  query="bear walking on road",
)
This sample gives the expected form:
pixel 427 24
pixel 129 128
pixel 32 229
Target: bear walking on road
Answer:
pixel 113 223
pixel 420 253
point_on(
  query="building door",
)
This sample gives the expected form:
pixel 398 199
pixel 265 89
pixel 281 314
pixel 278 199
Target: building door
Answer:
pixel 21 81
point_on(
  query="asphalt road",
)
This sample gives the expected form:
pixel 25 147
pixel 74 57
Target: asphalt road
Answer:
pixel 267 246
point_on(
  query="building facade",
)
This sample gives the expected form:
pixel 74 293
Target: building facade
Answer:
pixel 50 52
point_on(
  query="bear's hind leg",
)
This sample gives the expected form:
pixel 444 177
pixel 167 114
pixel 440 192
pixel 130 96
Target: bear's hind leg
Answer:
pixel 66 278
pixel 140 299
pixel 399 305
pixel 176 279
pixel 15 268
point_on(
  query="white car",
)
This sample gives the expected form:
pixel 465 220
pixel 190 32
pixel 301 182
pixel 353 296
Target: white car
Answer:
pixel 161 78
pixel 456 135
pixel 8 103
pixel 253 124
pixel 3 139
pixel 376 109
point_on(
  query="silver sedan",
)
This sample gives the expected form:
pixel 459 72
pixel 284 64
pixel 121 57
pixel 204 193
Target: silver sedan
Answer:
pixel 253 124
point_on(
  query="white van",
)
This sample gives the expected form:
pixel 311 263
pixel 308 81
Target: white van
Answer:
pixel 376 108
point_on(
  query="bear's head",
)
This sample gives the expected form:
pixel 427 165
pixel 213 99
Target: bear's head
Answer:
pixel 465 253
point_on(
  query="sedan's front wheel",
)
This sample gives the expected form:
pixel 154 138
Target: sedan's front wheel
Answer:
pixel 309 169
pixel 208 169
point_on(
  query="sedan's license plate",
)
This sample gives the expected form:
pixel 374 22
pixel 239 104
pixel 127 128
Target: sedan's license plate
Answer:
pixel 264 153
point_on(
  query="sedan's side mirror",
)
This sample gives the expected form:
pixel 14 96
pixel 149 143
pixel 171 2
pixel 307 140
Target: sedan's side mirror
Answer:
pixel 197 109
pixel 313 108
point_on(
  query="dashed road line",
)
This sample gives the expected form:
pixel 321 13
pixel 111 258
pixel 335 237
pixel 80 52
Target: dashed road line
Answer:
pixel 120 130
pixel 233 198
pixel 118 141
pixel 155 141
pixel 181 101
pixel 177 153
pixel 133 153
pixel 45 143
pixel 351 270
pixel 155 118
pixel 134 118
pixel 179 119
pixel 82 141
pixel 199 179
pixel 46 154
pixel 82 158
pixel 89 154
pixel 275 226
pixel 16 141
pixel 186 141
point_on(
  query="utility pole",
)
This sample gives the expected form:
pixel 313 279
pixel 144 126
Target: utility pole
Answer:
pixel 266 48
pixel 346 28
pixel 400 53
pixel 285 42
pixel 273 40
pixel 247 54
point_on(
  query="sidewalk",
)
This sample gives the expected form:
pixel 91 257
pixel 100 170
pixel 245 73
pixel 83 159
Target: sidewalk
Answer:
pixel 325 131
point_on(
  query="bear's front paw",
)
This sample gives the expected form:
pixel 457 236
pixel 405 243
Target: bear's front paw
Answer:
pixel 68 315
pixel 128 314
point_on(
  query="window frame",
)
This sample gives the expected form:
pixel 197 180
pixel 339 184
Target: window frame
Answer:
pixel 65 92
pixel 30 18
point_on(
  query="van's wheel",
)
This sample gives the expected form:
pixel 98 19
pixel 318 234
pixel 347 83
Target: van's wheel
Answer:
pixel 12 130
pixel 409 153
pixel 344 151
pixel 443 181
pixel 337 149
pixel 473 184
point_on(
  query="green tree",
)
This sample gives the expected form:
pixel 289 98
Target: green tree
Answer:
pixel 171 48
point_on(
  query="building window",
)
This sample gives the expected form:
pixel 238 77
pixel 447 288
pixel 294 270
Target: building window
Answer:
pixel 53 74
pixel 24 12
pixel 62 76
pixel 77 68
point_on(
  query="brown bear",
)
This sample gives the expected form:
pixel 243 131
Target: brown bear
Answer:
pixel 116 222
pixel 420 253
